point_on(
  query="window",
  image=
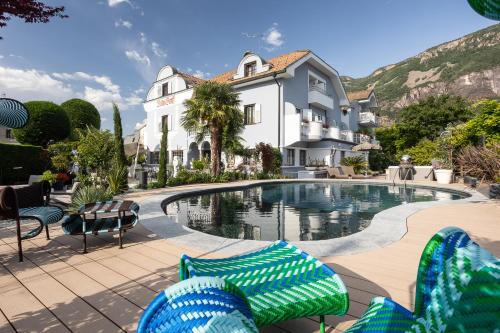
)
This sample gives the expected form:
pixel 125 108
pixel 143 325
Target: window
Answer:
pixel 302 157
pixel 252 114
pixel 342 155
pixel 155 157
pixel 165 121
pixel 179 154
pixel 298 110
pixel 250 69
pixel 8 133
pixel 164 89
pixel 290 157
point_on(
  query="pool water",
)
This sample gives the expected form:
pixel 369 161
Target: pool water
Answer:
pixel 294 211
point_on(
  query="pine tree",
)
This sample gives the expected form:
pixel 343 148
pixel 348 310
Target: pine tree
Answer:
pixel 120 158
pixel 162 172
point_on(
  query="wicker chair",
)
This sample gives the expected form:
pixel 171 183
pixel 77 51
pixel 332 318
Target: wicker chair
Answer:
pixel 29 203
pixel 458 290
pixel 281 282
pixel 204 304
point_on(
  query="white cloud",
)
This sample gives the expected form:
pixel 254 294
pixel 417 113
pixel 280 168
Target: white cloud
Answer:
pixel 1 56
pixel 113 3
pixel 200 74
pixel 158 51
pixel 140 58
pixel 123 23
pixel 273 38
pixel 32 84
pixel 143 37
pixel 226 65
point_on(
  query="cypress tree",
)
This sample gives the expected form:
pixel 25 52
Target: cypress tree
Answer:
pixel 120 158
pixel 162 172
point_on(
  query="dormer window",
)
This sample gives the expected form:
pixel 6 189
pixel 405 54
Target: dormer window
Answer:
pixel 250 69
pixel 164 89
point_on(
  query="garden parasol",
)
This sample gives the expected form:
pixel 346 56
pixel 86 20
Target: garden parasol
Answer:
pixel 13 114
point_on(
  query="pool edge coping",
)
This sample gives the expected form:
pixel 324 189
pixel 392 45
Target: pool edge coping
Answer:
pixel 386 227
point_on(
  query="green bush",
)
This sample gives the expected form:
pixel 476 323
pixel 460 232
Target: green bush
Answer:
pixel 18 162
pixel 201 165
pixel 423 153
pixel 88 194
pixel 154 185
pixel 95 151
pixel 60 155
pixel 117 179
pixel 81 114
pixel 49 176
pixel 357 162
pixel 47 122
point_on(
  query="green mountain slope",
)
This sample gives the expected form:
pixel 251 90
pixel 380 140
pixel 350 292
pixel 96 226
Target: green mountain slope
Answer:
pixel 468 66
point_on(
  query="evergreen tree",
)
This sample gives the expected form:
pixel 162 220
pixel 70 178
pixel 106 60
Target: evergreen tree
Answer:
pixel 162 172
pixel 120 158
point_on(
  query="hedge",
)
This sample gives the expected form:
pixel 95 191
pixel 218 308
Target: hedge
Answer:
pixel 33 160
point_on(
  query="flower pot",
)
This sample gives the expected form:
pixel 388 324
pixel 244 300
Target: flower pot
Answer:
pixel 443 176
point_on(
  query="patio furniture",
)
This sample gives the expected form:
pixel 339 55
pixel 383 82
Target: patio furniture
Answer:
pixel 71 191
pixel 349 172
pixel 34 179
pixel 334 172
pixel 102 217
pixel 29 203
pixel 200 304
pixel 458 290
pixel 281 282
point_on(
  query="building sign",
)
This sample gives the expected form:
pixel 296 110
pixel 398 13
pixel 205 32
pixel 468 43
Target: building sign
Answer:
pixel 165 101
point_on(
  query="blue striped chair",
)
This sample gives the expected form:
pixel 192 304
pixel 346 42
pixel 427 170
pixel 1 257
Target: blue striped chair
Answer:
pixel 29 203
pixel 458 290
pixel 200 304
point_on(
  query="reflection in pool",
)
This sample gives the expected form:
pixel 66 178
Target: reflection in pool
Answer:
pixel 294 211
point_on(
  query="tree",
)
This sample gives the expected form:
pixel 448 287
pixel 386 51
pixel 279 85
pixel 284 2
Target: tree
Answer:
pixel 429 117
pixel 162 171
pixel 96 151
pixel 31 11
pixel 81 114
pixel 47 122
pixel 213 108
pixel 120 158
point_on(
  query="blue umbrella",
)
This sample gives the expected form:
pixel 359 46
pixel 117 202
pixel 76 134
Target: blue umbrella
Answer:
pixel 13 114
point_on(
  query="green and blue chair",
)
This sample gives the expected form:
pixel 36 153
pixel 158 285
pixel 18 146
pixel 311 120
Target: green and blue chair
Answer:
pixel 458 290
pixel 281 282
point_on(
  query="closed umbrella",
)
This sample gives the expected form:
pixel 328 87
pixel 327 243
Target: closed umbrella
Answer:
pixel 13 114
pixel 366 147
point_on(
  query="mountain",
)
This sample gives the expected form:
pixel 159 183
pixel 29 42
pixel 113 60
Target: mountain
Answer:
pixel 468 66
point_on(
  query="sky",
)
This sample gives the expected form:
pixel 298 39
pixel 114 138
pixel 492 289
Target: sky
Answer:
pixel 111 50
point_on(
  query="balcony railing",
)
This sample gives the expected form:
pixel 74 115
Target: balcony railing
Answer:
pixel 318 88
pixel 360 138
pixel 367 118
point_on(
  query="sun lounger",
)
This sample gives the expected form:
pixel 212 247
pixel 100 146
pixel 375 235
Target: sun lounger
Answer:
pixel 458 290
pixel 349 172
pixel 281 282
pixel 334 172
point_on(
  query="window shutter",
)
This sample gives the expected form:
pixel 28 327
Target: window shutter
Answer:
pixel 257 113
pixel 160 90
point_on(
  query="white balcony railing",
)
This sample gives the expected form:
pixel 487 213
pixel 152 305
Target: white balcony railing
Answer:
pixel 367 118
pixel 360 138
pixel 346 135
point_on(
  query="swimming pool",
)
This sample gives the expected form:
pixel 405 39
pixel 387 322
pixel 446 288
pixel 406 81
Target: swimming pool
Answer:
pixel 295 211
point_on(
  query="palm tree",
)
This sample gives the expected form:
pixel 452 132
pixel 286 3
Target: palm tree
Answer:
pixel 213 111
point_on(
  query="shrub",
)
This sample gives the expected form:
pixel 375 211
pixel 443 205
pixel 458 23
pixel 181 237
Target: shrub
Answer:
pixel 88 194
pixel 49 176
pixel 357 162
pixel 481 162
pixel 378 160
pixel 117 179
pixel 200 165
pixel 265 153
pixel 95 151
pixel 61 155
pixel 22 161
pixel 423 153
pixel 47 121
pixel 154 185
pixel 81 114
pixel 277 162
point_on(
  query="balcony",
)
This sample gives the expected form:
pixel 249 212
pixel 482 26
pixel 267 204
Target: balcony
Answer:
pixel 312 131
pixel 360 138
pixel 367 119
pixel 319 97
pixel 347 135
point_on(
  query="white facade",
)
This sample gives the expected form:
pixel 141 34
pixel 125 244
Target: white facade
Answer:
pixel 301 108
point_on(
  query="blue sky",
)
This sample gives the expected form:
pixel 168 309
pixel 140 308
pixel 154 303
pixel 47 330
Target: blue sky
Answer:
pixel 112 49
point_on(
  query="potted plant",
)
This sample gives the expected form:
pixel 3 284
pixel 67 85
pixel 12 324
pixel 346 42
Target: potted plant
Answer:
pixel 443 171
pixel 49 176
pixel 61 179
pixel 326 126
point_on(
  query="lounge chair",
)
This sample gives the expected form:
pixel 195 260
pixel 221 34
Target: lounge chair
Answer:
pixel 349 172
pixel 200 304
pixel 34 179
pixel 281 282
pixel 458 290
pixel 29 203
pixel 102 217
pixel 334 172
pixel 71 191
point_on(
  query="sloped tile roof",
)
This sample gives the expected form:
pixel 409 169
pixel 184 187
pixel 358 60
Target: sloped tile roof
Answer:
pixel 278 64
pixel 359 95
pixel 190 79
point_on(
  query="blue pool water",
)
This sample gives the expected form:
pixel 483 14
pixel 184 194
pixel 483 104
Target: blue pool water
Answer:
pixel 295 211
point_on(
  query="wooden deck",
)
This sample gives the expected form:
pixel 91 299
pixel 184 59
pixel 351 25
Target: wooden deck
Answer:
pixel 58 289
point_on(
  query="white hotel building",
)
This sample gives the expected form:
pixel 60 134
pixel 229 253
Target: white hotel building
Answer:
pixel 294 101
